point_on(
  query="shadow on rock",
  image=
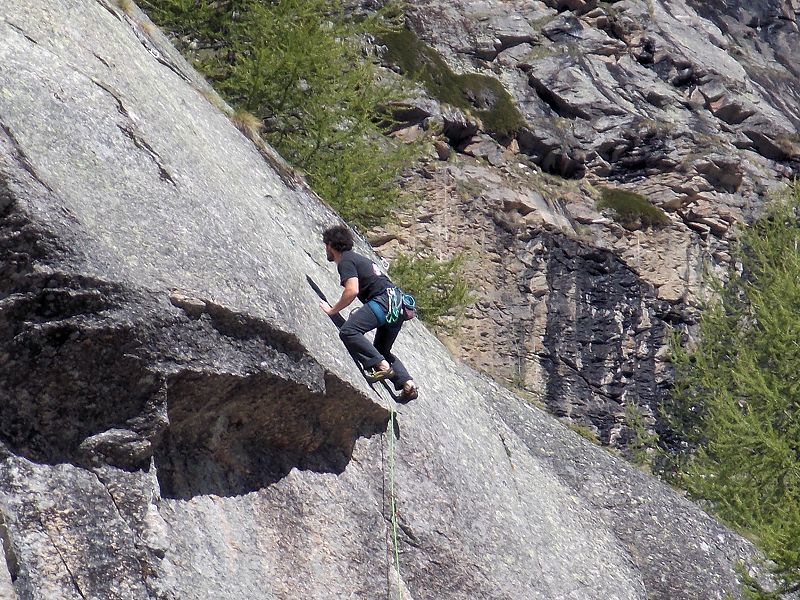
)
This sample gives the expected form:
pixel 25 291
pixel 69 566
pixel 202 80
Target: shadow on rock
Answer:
pixel 230 435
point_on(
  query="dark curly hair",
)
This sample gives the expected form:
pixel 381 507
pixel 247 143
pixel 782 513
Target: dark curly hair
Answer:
pixel 339 238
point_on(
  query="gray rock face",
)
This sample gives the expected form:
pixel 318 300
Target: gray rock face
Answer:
pixel 179 419
pixel 561 313
pixel 604 69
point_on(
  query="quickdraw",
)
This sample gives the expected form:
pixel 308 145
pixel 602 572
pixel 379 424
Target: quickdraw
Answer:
pixel 399 304
pixel 395 306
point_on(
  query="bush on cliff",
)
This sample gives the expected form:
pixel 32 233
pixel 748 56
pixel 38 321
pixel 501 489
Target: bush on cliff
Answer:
pixel 483 95
pixel 298 66
pixel 439 286
pixel 736 399
pixel 630 209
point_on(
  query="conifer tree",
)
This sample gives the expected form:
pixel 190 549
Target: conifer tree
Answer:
pixel 737 393
pixel 439 286
pixel 299 67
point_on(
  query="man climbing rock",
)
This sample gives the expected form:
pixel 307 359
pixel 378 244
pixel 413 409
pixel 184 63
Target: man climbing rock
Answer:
pixel 383 309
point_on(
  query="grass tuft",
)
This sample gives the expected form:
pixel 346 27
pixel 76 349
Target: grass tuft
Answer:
pixel 247 123
pixel 125 5
pixel 584 431
pixel 631 210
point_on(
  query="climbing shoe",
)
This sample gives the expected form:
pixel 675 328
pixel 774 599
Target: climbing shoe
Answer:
pixel 375 374
pixel 410 392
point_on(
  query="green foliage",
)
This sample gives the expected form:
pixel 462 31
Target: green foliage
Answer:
pixel 483 95
pixel 204 19
pixel 643 442
pixel 438 286
pixel 585 432
pixel 298 66
pixel 631 209
pixel 737 394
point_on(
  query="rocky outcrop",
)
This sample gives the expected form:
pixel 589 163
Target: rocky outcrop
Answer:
pixel 560 312
pixel 690 104
pixel 179 418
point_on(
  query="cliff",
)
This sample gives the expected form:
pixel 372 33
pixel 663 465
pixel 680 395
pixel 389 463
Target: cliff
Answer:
pixel 691 104
pixel 179 419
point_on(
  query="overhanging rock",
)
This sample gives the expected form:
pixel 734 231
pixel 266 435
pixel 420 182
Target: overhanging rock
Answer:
pixel 179 419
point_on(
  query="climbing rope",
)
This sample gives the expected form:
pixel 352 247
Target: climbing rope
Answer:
pixel 393 506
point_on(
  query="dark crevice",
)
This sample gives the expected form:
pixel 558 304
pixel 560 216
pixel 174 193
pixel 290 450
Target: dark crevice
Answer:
pixel 21 31
pixel 106 6
pixel 140 143
pixel 120 106
pixel 12 562
pixel 130 132
pixel 53 543
pixel 101 59
pixel 170 66
pixel 559 106
pixel 22 158
pixel 507 449
pixel 411 538
pixel 110 496
pixel 638 153
pixel 148 45
pixel 556 154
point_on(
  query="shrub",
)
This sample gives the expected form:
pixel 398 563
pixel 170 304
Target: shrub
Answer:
pixel 643 441
pixel 201 20
pixel 438 286
pixel 631 209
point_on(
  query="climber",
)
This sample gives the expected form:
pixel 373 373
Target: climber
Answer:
pixel 385 308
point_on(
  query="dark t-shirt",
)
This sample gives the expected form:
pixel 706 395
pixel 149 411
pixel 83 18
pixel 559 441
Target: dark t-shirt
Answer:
pixel 371 282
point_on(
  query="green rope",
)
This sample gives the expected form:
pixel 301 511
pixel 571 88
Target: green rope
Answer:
pixel 393 503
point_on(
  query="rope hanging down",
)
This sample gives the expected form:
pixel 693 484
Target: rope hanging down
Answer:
pixel 393 506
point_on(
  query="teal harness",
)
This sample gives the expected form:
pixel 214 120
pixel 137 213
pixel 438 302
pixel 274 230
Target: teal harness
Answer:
pixel 398 301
